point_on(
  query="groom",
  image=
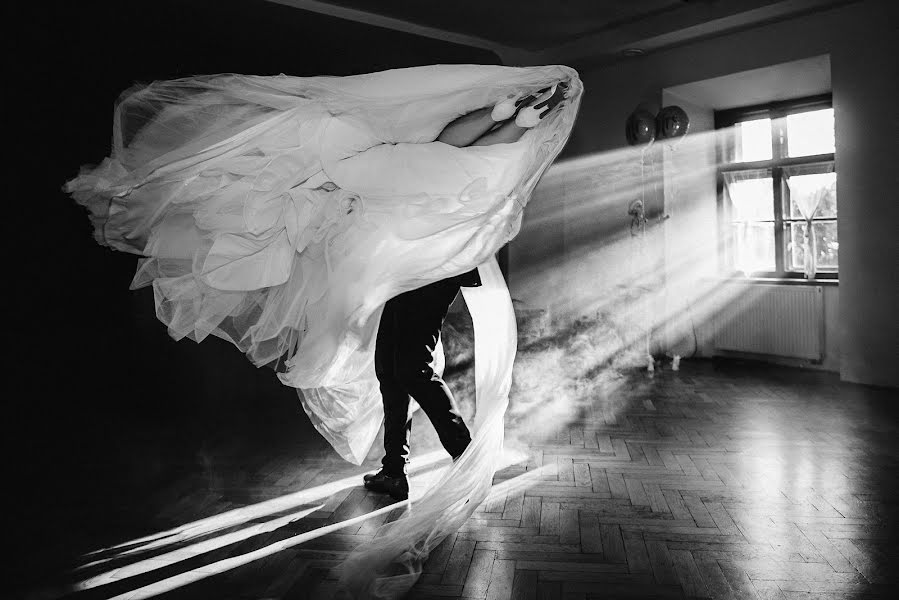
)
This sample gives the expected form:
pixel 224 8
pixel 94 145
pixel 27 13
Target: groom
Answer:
pixel 411 322
pixel 404 364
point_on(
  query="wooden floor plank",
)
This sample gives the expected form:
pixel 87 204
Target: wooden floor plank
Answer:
pixel 479 572
pixel 689 575
pixel 458 563
pixel 612 543
pixel 524 587
pixel 502 580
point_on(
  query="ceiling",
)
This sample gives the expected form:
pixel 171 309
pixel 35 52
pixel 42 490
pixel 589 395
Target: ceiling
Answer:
pixel 526 32
pixel 794 79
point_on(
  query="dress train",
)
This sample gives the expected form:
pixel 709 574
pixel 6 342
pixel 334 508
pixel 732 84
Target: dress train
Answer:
pixel 280 213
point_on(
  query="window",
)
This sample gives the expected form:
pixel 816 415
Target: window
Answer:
pixel 777 189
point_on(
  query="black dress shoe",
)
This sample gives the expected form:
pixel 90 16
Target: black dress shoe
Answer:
pixel 397 487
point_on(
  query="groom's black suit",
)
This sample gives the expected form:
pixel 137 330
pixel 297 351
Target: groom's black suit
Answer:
pixel 404 353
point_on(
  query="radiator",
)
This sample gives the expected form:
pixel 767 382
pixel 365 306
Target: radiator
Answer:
pixel 779 320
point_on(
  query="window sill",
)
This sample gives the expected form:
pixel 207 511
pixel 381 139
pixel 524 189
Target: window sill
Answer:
pixel 781 280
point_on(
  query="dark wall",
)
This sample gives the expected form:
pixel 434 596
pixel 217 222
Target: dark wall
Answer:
pixel 102 397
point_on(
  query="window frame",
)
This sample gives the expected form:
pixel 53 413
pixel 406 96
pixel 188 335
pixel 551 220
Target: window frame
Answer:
pixel 776 165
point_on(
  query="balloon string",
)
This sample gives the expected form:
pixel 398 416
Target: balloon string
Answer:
pixel 642 181
pixel 641 231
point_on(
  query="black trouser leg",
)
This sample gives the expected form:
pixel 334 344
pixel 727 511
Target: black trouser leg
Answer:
pixel 404 355
pixel 397 424
pixel 436 400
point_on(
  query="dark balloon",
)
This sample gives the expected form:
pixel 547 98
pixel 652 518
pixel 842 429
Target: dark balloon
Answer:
pixel 672 122
pixel 640 128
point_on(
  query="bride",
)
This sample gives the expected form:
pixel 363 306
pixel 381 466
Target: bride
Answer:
pixel 281 213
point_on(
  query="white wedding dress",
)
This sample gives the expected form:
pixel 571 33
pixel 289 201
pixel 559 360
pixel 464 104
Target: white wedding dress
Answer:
pixel 280 213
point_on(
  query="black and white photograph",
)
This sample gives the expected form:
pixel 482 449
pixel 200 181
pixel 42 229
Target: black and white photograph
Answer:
pixel 485 300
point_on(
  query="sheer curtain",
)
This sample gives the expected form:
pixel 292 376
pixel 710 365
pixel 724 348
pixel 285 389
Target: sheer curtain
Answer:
pixel 806 192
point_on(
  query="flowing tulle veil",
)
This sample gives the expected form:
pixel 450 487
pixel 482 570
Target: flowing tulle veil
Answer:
pixel 280 213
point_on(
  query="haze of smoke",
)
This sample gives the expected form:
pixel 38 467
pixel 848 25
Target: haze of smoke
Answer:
pixel 561 372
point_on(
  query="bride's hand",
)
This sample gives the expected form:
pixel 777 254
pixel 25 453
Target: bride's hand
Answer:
pixel 558 95
pixel 531 115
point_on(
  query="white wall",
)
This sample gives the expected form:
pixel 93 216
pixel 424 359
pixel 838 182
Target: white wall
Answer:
pixel 862 43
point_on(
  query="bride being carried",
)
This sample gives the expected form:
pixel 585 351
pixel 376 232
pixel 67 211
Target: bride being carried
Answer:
pixel 282 213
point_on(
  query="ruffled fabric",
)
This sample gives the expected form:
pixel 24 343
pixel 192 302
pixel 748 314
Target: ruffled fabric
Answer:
pixel 281 213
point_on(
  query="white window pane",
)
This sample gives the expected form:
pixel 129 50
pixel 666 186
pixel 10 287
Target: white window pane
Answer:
pixel 815 193
pixel 753 140
pixel 751 197
pixel 795 254
pixel 753 245
pixel 826 245
pixel 810 133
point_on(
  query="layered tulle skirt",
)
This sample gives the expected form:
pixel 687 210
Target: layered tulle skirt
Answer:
pixel 280 213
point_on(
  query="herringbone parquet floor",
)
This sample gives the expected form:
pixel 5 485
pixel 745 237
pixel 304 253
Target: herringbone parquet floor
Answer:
pixel 711 482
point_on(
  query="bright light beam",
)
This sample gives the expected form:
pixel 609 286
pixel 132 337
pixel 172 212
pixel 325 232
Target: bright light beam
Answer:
pixel 164 560
pixel 194 575
pixel 200 573
pixel 247 513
